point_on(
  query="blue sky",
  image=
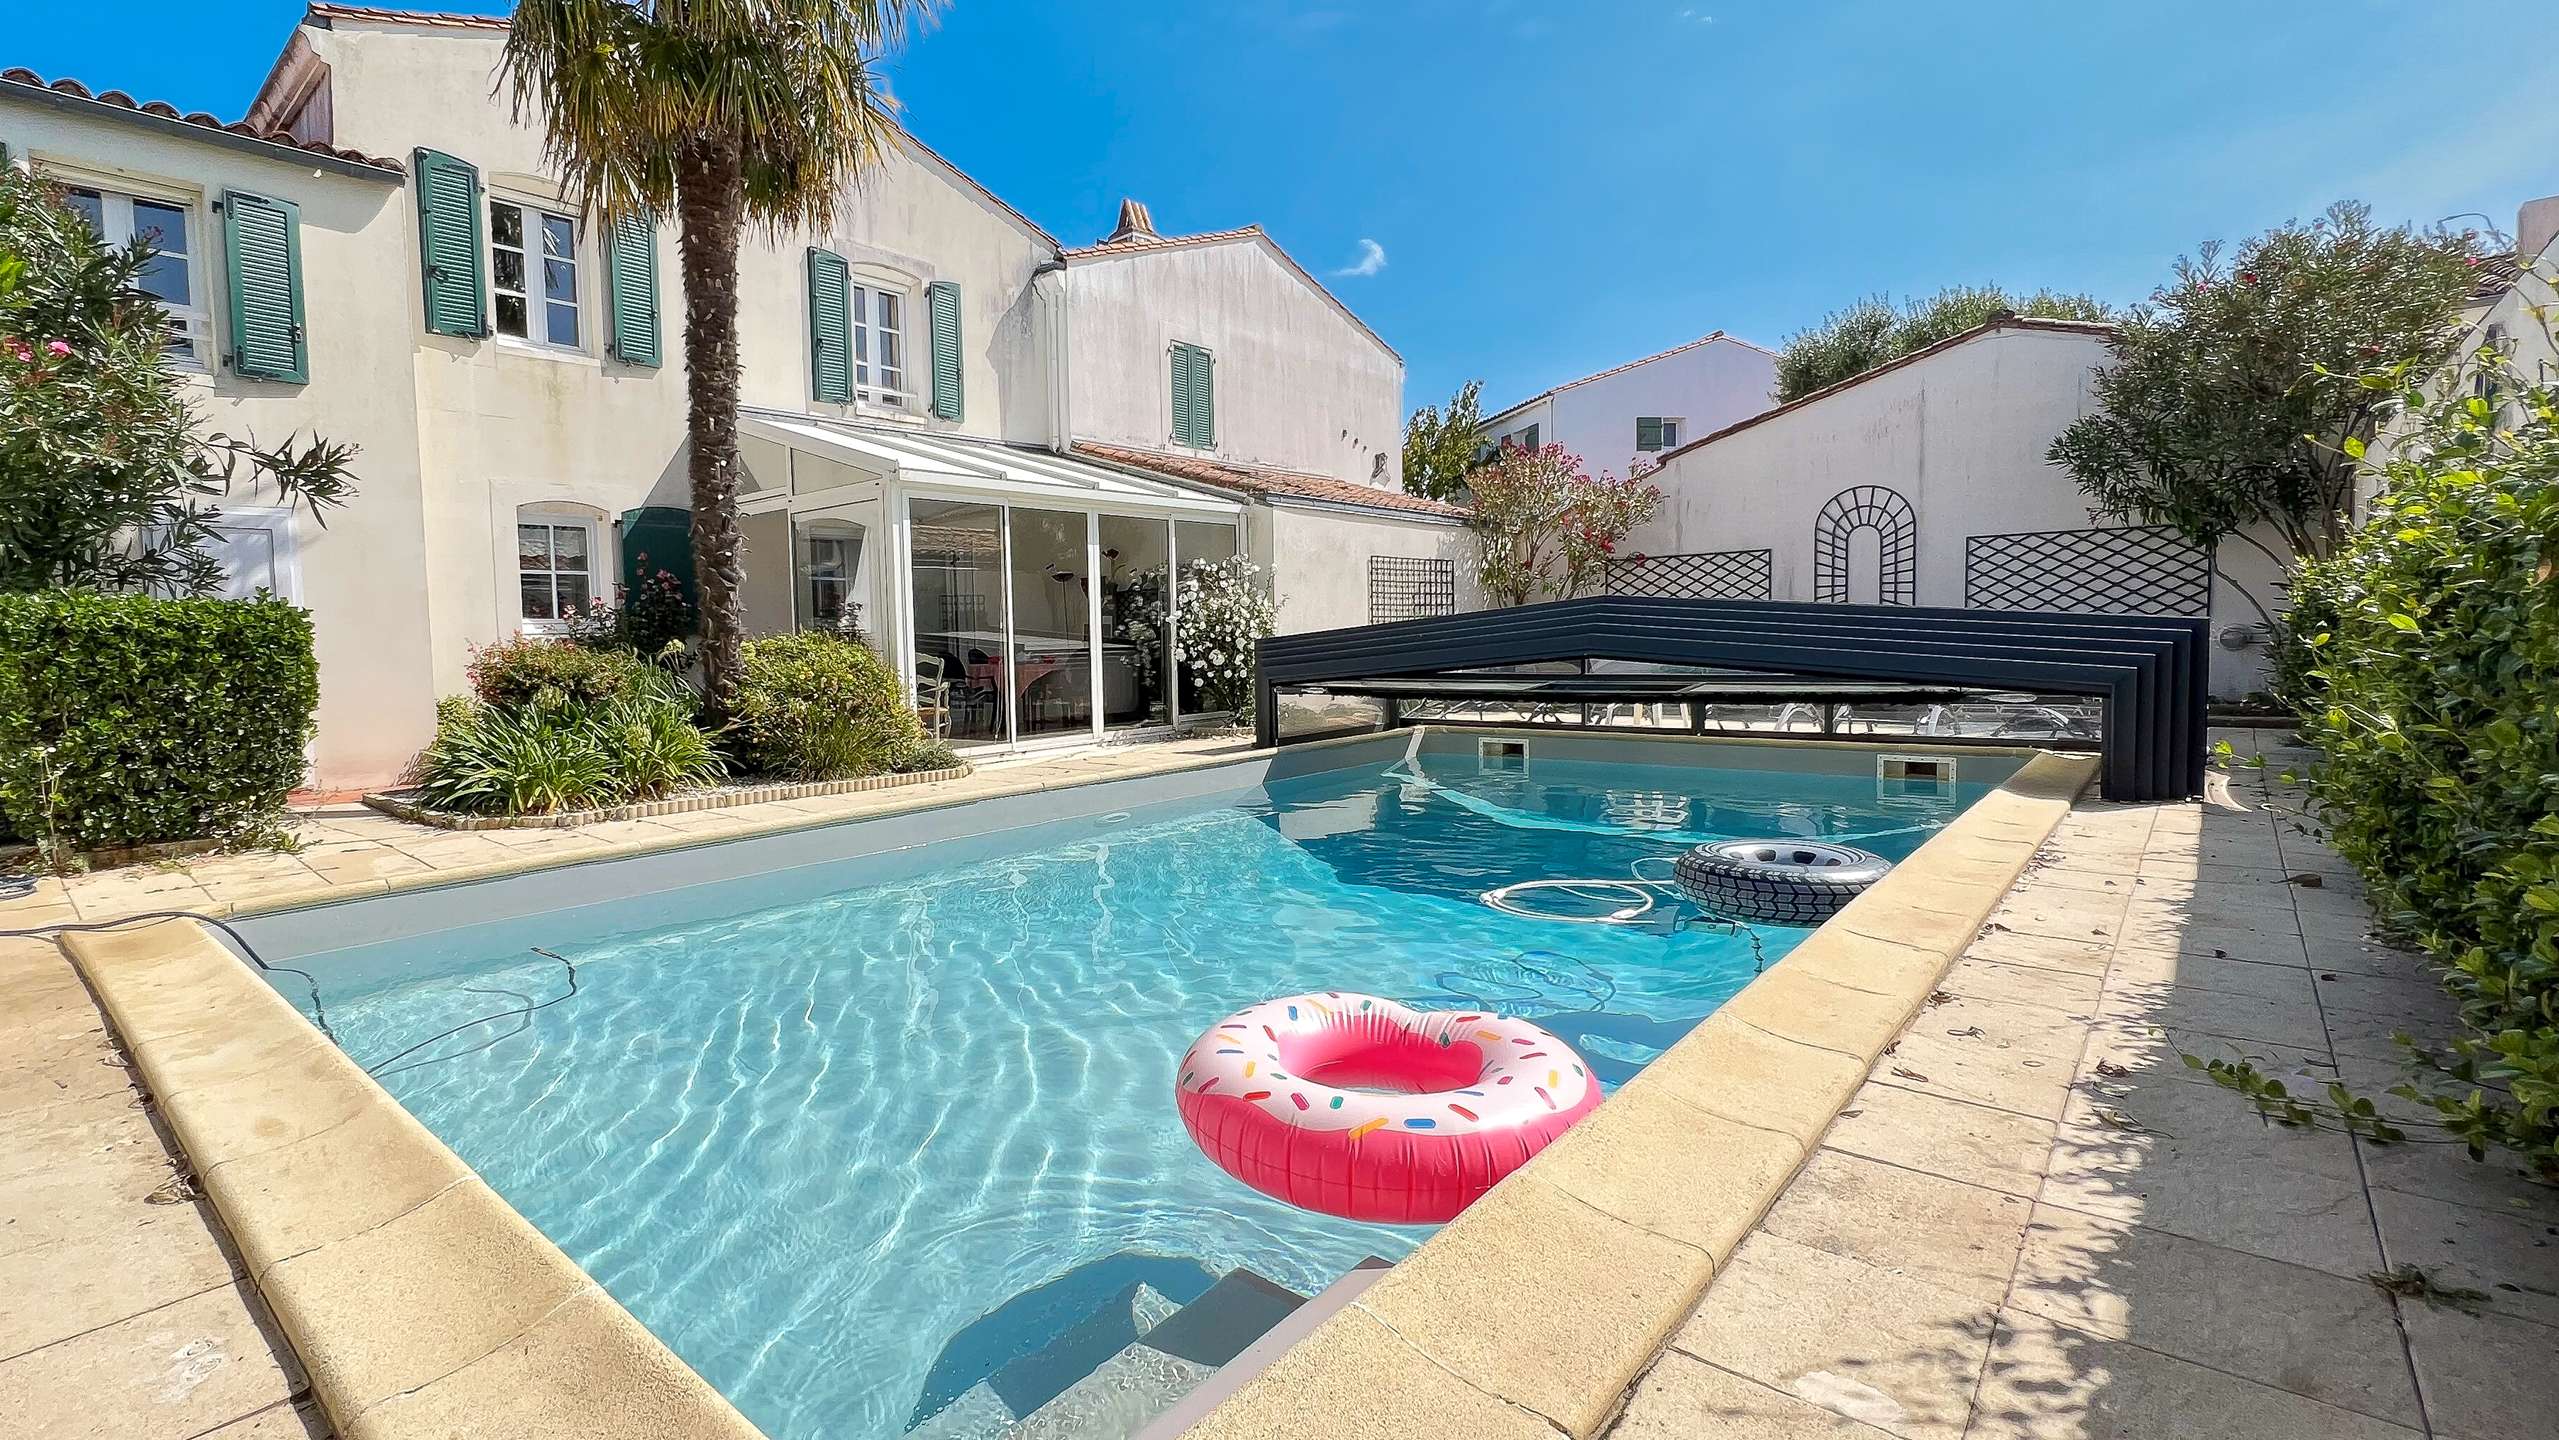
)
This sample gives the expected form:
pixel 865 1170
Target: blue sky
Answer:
pixel 1558 187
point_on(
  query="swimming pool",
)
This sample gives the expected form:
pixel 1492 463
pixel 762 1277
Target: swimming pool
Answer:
pixel 871 1143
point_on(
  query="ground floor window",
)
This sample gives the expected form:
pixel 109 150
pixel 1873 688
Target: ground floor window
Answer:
pixel 555 563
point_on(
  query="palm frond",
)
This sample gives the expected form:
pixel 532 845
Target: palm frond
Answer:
pixel 621 87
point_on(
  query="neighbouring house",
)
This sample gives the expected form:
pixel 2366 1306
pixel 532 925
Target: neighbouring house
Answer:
pixel 1923 482
pixel 1216 360
pixel 975 445
pixel 1635 412
pixel 2511 288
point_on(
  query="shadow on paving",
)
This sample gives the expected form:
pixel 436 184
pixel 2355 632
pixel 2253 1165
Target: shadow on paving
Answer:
pixel 2036 1220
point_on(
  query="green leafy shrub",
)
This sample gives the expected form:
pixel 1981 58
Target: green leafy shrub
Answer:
pixel 530 670
pixel 926 754
pixel 531 760
pixel 656 749
pixel 2437 668
pixel 816 707
pixel 128 719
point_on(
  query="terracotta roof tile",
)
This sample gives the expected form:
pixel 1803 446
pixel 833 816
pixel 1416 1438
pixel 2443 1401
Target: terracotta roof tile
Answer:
pixel 2497 275
pixel 1134 243
pixel 163 110
pixel 447 19
pixel 1261 481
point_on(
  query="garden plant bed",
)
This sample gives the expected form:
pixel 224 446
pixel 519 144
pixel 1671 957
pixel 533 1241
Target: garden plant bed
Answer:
pixel 401 804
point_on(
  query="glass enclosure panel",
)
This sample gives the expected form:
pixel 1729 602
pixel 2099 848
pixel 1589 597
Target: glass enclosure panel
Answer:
pixel 958 561
pixel 1136 638
pixel 764 564
pixel 832 560
pixel 1195 541
pixel 1052 629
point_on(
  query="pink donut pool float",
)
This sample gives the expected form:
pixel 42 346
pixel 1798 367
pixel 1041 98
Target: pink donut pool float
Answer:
pixel 1363 1108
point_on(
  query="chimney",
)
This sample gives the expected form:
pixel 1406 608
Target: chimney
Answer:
pixel 1135 223
pixel 2536 225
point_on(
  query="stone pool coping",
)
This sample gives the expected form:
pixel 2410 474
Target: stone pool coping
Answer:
pixel 1530 1315
pixel 422 1304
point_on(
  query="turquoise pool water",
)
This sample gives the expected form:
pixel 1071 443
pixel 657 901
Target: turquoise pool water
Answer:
pixel 854 1142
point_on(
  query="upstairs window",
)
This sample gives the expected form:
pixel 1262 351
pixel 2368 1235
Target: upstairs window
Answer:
pixel 170 277
pixel 879 345
pixel 1656 432
pixel 533 272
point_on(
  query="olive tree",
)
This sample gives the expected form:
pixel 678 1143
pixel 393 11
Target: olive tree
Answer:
pixel 2233 406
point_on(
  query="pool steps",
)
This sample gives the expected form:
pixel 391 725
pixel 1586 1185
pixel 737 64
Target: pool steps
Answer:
pixel 1183 1361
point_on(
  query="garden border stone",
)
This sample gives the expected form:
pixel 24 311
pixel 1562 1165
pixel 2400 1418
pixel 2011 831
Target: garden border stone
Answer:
pixel 396 803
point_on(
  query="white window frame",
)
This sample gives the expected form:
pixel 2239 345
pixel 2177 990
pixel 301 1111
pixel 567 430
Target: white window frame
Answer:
pixel 1671 426
pixel 556 520
pixel 115 205
pixel 865 291
pixel 537 302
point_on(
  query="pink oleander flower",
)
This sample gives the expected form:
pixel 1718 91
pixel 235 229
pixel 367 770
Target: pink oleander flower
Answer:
pixel 58 347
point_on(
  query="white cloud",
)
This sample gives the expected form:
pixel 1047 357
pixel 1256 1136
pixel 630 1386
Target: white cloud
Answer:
pixel 1372 258
pixel 1696 17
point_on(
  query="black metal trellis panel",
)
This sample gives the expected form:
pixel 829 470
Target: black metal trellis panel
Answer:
pixel 2144 570
pixel 1896 528
pixel 1404 588
pixel 2149 671
pixel 1705 575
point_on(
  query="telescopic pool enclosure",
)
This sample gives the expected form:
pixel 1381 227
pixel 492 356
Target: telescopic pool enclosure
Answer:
pixel 2147 671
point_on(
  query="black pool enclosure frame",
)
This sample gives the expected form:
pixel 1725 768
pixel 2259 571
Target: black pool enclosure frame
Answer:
pixel 2149 671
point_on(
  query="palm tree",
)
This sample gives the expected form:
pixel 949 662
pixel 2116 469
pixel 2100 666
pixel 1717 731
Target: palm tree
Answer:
pixel 725 112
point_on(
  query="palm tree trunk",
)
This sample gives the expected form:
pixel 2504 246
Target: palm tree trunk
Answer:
pixel 710 207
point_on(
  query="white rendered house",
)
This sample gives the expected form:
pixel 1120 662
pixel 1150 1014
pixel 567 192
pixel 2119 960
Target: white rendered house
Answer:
pixel 1639 410
pixel 1923 482
pixel 377 254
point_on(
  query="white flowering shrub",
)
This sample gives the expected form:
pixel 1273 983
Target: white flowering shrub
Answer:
pixel 1224 606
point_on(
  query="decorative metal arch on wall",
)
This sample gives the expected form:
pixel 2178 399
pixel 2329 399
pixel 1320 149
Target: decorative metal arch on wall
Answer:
pixel 1883 510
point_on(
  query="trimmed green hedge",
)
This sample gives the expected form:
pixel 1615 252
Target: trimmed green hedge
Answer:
pixel 2435 703
pixel 127 719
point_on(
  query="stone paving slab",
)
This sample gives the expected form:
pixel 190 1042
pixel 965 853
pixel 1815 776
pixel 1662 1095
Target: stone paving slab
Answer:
pixel 122 1309
pixel 2181 1268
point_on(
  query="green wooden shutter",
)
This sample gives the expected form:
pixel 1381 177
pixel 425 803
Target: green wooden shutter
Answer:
pixel 631 275
pixel 452 254
pixel 1648 432
pixel 942 311
pixel 1183 396
pixel 262 251
pixel 1204 398
pixel 830 327
pixel 1194 397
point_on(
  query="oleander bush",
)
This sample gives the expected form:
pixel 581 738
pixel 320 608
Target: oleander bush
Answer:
pixel 127 719
pixel 2437 687
pixel 815 706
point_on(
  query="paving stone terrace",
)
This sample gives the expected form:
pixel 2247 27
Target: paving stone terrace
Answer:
pixel 2034 1220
